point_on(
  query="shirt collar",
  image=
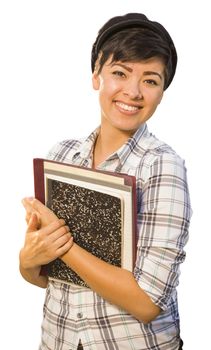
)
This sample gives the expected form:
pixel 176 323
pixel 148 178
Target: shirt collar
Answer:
pixel 128 148
pixel 85 149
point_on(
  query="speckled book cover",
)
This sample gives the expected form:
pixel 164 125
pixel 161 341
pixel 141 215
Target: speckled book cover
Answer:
pixel 98 209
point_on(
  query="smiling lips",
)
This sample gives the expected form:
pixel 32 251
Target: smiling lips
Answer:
pixel 126 107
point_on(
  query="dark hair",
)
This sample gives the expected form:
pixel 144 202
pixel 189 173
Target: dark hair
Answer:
pixel 136 44
pixel 133 37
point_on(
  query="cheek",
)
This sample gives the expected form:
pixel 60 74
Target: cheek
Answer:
pixel 109 86
pixel 154 99
pixel 159 97
pixel 107 93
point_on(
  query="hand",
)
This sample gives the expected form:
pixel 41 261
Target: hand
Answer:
pixel 44 214
pixel 43 245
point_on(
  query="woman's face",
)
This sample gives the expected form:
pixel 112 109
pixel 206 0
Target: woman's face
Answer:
pixel 129 92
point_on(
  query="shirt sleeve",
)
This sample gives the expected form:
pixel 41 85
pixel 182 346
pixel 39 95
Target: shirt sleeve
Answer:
pixel 163 222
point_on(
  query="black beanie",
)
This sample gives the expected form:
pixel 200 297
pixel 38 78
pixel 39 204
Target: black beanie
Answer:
pixel 119 23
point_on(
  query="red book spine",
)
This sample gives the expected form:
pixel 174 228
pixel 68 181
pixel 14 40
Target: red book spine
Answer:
pixel 39 182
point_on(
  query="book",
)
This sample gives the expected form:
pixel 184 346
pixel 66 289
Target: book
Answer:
pixel 99 207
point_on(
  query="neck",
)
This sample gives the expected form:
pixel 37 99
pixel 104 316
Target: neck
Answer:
pixel 108 142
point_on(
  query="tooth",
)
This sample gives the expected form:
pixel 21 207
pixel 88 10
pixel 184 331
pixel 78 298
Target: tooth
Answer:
pixel 126 107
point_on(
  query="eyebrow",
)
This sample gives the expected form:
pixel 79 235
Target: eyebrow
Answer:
pixel 130 70
pixel 153 73
pixel 123 66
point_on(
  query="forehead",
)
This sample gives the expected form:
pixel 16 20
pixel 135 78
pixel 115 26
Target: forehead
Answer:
pixel 155 62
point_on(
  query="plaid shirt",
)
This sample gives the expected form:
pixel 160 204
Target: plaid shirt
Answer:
pixel 163 211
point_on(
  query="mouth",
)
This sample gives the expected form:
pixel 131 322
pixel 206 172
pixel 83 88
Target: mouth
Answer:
pixel 126 107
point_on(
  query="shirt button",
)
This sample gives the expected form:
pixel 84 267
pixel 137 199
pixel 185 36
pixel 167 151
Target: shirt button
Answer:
pixel 79 314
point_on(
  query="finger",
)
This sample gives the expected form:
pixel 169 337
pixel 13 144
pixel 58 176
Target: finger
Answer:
pixel 53 226
pixel 39 206
pixel 30 198
pixel 27 203
pixel 61 239
pixel 27 199
pixel 27 217
pixel 64 249
pixel 33 223
pixel 43 210
pixel 60 232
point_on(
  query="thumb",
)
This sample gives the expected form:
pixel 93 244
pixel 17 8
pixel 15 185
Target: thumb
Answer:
pixel 43 211
pixel 38 206
pixel 33 223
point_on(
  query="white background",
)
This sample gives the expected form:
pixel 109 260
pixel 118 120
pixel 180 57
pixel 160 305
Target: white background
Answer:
pixel 46 96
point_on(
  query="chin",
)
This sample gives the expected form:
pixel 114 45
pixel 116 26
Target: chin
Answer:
pixel 128 131
pixel 128 128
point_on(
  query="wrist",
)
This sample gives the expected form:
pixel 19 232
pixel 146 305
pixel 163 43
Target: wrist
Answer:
pixel 68 252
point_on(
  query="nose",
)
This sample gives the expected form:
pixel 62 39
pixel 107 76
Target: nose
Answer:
pixel 132 89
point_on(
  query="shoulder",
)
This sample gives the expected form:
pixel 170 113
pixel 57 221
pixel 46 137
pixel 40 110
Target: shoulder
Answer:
pixel 162 179
pixel 158 158
pixel 64 151
pixel 167 163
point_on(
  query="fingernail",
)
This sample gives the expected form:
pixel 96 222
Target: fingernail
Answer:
pixel 30 198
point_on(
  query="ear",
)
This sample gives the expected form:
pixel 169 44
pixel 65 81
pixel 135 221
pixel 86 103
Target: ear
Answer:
pixel 95 81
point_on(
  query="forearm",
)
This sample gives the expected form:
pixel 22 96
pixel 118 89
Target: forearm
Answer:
pixel 32 274
pixel 114 284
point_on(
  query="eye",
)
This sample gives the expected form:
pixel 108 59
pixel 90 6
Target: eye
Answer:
pixel 151 82
pixel 119 73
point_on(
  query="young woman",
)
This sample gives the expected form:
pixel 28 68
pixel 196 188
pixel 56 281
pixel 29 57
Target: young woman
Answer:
pixel 133 62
